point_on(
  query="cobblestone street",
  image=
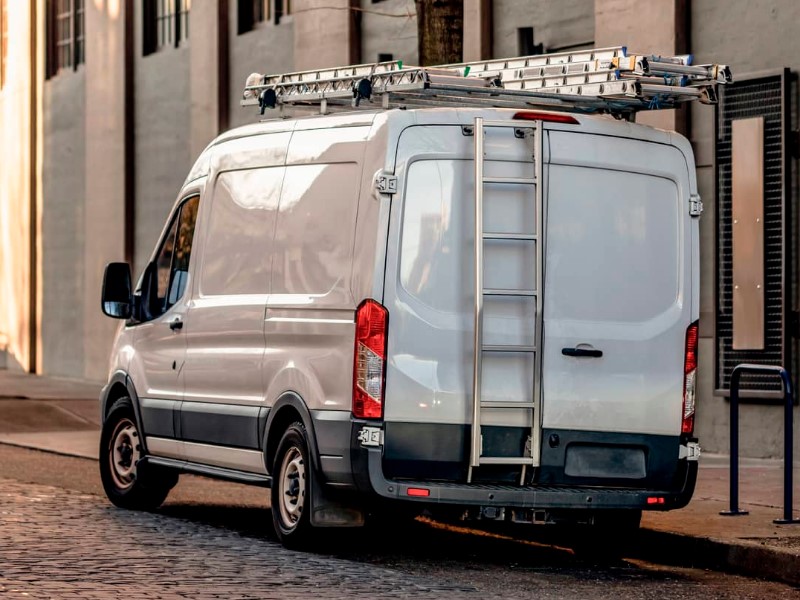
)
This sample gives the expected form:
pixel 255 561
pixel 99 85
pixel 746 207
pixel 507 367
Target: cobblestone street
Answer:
pixel 60 544
pixel 64 541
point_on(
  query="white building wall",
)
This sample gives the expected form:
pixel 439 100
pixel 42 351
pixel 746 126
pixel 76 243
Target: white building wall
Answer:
pixel 751 37
pixel 555 24
pixel 384 34
pixel 161 137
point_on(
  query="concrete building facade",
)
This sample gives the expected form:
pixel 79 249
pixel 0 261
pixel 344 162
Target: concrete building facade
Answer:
pixel 104 105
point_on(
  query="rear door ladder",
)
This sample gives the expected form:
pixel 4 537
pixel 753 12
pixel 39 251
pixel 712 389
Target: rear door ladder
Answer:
pixel 532 449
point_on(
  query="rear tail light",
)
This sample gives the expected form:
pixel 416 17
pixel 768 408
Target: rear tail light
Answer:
pixel 369 366
pixel 689 379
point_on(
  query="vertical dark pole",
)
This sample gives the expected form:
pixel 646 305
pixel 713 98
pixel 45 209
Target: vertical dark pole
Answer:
pixel 129 136
pixel 734 475
pixel 734 437
pixel 33 179
pixel 788 435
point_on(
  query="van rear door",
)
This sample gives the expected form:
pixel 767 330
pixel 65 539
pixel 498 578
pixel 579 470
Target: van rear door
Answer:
pixel 618 296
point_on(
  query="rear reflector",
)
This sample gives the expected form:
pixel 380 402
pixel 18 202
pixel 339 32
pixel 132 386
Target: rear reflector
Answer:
pixel 418 492
pixel 689 378
pixel 532 115
pixel 655 500
pixel 369 365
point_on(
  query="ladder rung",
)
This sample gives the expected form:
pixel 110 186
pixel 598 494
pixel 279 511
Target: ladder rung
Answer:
pixel 521 237
pixel 499 292
pixel 514 180
pixel 514 124
pixel 512 404
pixel 505 460
pixel 508 348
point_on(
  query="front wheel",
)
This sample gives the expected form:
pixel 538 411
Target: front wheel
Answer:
pixel 120 451
pixel 291 488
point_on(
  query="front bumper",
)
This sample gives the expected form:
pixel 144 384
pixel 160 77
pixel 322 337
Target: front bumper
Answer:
pixel 531 496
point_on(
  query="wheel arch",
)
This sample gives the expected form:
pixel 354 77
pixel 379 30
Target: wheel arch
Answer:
pixel 119 386
pixel 289 408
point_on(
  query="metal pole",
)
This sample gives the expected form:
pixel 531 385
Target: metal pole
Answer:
pixel 734 437
pixel 788 449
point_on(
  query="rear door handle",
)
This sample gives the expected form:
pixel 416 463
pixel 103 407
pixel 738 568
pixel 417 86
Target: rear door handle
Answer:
pixel 176 323
pixel 586 352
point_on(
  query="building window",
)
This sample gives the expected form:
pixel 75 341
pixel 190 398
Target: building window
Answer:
pixel 3 41
pixel 283 8
pixel 385 57
pixel 165 23
pixel 525 43
pixel 251 13
pixel 65 35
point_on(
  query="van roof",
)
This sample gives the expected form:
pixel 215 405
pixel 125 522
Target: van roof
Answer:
pixel 594 124
pixel 399 119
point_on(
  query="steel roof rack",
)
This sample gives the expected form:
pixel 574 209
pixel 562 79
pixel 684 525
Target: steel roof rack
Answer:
pixel 607 80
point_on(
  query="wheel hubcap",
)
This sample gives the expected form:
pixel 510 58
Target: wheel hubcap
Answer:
pixel 292 487
pixel 124 452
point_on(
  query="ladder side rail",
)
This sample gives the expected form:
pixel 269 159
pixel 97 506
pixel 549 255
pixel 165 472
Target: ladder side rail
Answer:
pixel 538 359
pixel 477 354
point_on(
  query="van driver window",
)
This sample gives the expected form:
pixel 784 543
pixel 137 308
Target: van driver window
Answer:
pixel 183 250
pixel 163 264
pixel 172 260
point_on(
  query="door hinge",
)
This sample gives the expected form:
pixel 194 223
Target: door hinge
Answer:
pixel 695 205
pixel 370 436
pixel 386 183
pixel 691 451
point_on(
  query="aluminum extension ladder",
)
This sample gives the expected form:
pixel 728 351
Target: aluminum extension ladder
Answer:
pixel 532 448
pixel 606 80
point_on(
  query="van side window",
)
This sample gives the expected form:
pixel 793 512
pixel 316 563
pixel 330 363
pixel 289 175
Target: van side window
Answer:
pixel 163 266
pixel 237 251
pixel 171 265
pixel 183 251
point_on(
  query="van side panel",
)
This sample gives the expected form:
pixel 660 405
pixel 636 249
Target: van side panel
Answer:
pixel 309 323
pixel 223 391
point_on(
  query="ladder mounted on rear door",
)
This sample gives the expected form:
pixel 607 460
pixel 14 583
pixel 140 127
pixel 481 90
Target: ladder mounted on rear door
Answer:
pixel 532 403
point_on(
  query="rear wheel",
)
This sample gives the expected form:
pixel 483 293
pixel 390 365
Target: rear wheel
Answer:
pixel 292 478
pixel 125 483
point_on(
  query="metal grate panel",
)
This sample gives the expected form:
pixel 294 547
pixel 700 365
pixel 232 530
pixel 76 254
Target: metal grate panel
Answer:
pixel 762 97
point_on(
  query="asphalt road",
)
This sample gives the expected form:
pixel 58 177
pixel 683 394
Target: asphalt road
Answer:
pixel 60 538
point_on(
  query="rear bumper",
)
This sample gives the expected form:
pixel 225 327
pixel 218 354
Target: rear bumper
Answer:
pixel 532 496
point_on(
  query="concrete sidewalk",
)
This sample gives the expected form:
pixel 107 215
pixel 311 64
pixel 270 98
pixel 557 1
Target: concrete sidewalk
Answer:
pixel 49 413
pixel 62 416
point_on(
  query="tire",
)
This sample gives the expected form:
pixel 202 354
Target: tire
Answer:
pixel 125 483
pixel 291 489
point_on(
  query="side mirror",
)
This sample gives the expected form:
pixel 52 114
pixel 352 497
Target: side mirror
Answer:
pixel 117 300
pixel 151 308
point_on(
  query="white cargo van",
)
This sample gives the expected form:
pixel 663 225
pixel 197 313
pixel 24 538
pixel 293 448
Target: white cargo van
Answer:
pixel 482 308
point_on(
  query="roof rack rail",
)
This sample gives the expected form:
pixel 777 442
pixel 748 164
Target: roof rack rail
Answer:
pixel 606 80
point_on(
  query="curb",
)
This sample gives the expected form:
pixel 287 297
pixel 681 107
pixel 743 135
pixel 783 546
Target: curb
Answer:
pixel 742 557
pixel 48 450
